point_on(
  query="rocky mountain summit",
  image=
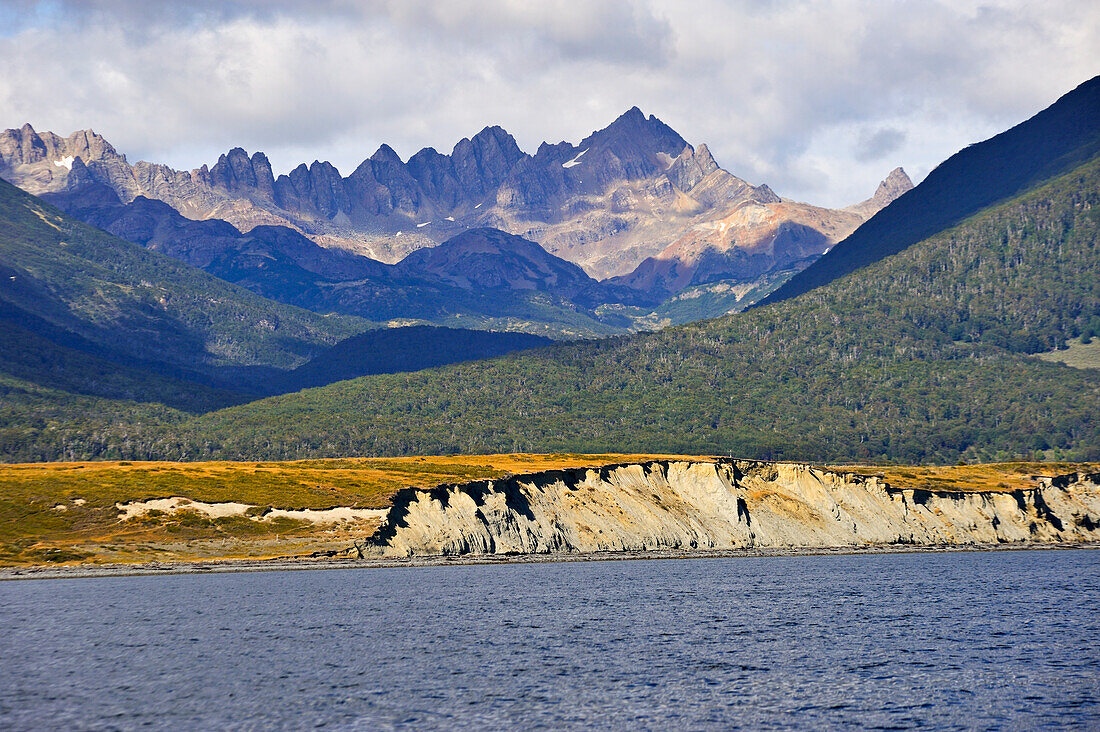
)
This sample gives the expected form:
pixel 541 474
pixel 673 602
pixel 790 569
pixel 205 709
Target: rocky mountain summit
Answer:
pixel 623 194
pixel 757 239
pixel 888 191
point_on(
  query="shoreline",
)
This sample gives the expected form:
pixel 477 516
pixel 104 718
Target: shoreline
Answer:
pixel 304 563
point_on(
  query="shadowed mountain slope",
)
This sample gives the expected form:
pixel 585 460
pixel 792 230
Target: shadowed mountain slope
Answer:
pixel 397 350
pixel 483 278
pixel 141 305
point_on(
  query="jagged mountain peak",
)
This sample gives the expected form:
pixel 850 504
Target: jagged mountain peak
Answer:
pixel 705 159
pixel 50 144
pixel 634 115
pixel 895 184
pixel 324 165
pixel 891 187
pixel 634 124
pixel 491 135
pixel 426 153
pixel 386 154
pixel 565 193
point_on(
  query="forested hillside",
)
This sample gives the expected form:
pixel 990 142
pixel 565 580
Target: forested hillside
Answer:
pixel 92 288
pixel 921 357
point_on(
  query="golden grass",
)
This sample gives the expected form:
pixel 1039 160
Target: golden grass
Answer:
pixel 989 477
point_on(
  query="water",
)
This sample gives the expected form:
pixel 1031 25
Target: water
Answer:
pixel 1005 640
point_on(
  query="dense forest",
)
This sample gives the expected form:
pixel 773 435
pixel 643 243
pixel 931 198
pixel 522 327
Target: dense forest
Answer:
pixel 921 357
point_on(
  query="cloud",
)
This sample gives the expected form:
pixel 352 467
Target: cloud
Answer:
pixel 817 99
pixel 876 145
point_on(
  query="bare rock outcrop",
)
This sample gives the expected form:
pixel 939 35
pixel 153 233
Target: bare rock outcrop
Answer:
pixel 722 504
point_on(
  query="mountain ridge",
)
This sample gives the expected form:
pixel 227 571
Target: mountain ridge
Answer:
pixel 619 195
pixel 930 354
pixel 893 365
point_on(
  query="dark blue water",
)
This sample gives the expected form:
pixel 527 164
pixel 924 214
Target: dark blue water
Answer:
pixel 1007 640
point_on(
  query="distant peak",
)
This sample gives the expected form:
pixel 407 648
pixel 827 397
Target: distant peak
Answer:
pixel 705 159
pixel 424 154
pixel 235 153
pixel 899 174
pixel 894 185
pixel 325 165
pixel 633 115
pixel 494 131
pixel 386 154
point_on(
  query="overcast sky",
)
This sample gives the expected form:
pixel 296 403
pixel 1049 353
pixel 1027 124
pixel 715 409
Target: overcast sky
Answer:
pixel 817 99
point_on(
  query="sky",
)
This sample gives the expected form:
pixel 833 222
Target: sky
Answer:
pixel 820 100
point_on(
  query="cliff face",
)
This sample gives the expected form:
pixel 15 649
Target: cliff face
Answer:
pixel 722 505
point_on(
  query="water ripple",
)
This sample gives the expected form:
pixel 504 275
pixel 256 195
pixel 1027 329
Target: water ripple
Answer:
pixel 950 641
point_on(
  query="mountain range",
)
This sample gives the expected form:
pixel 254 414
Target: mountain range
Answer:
pixel 633 200
pixel 915 338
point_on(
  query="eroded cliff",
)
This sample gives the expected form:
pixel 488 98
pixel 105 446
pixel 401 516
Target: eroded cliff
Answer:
pixel 724 504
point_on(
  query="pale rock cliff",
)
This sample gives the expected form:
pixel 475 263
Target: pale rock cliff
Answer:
pixel 732 504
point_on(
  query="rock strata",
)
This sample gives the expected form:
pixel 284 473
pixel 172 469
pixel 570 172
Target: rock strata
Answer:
pixel 722 505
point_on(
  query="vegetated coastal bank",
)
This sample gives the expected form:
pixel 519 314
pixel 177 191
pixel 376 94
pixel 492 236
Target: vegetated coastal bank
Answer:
pixel 722 505
pixel 190 517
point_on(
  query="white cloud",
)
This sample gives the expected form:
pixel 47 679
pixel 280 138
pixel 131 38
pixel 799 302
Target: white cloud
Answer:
pixel 819 99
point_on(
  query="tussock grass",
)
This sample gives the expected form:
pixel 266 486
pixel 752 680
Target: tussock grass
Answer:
pixel 990 477
pixel 1076 354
